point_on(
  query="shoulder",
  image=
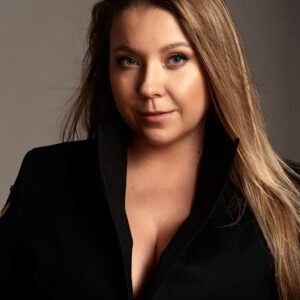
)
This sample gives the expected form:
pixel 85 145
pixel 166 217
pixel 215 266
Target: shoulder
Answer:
pixel 54 167
pixel 60 155
pixel 62 150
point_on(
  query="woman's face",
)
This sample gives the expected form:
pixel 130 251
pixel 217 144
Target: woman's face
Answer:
pixel 148 76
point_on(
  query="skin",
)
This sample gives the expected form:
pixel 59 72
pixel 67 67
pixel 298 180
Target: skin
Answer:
pixel 151 80
pixel 162 158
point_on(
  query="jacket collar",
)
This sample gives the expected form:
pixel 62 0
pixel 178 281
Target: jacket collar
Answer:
pixel 216 163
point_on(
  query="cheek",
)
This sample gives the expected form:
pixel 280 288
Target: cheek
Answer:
pixel 121 90
pixel 192 92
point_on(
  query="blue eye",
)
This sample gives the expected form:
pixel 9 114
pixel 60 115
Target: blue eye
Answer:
pixel 130 60
pixel 181 56
pixel 119 60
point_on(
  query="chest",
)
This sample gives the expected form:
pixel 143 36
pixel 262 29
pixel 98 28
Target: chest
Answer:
pixel 154 215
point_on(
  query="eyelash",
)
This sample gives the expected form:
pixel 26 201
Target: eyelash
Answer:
pixel 182 56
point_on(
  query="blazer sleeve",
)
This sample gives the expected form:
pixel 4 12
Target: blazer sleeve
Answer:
pixel 12 267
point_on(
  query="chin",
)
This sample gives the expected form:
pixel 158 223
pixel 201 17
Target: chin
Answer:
pixel 160 139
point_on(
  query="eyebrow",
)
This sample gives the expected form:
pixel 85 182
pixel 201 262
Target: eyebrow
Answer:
pixel 165 48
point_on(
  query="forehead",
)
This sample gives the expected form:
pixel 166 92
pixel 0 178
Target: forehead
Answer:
pixel 146 27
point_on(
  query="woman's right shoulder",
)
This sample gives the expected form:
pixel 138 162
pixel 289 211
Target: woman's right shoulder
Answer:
pixel 62 150
pixel 60 155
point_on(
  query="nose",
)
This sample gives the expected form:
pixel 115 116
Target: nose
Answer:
pixel 151 82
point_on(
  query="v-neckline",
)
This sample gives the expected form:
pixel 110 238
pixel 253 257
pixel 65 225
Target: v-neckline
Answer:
pixel 217 160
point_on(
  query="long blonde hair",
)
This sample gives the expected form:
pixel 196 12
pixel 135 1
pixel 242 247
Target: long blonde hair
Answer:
pixel 269 184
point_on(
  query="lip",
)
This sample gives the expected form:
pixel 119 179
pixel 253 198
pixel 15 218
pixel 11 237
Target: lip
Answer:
pixel 157 118
pixel 154 112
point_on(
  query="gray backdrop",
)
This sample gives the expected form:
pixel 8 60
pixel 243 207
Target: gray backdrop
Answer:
pixel 42 43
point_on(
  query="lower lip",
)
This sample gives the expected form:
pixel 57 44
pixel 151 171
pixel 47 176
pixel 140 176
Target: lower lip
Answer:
pixel 157 118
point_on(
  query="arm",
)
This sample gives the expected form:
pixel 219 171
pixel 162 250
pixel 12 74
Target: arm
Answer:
pixel 11 251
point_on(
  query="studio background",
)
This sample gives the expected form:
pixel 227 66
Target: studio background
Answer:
pixel 42 44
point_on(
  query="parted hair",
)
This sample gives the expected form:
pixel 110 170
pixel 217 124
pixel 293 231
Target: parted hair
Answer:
pixel 269 184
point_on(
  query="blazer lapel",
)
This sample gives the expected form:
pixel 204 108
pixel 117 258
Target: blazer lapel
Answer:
pixel 112 157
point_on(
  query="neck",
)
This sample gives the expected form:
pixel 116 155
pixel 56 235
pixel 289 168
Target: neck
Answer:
pixel 182 154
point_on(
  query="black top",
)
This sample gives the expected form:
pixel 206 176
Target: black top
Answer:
pixel 64 232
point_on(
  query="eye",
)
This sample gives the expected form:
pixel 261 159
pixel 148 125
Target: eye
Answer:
pixel 178 58
pixel 124 58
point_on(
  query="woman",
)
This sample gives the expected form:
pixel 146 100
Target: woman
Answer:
pixel 176 193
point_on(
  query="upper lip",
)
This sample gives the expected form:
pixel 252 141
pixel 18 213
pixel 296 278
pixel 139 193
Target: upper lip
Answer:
pixel 154 112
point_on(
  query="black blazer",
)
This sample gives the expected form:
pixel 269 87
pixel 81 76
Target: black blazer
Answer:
pixel 64 233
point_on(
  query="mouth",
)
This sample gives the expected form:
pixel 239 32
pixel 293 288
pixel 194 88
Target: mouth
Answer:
pixel 157 116
pixel 156 113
